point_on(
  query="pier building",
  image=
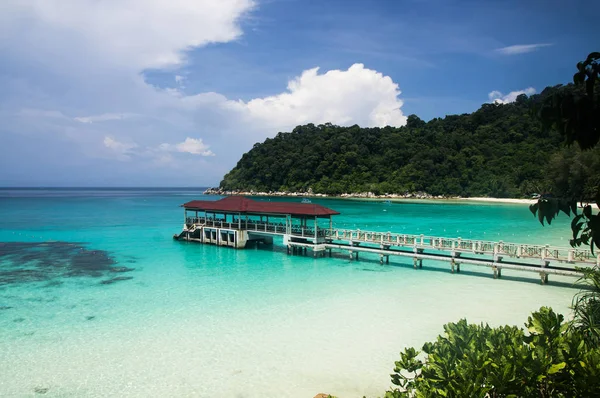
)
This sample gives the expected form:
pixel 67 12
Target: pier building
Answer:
pixel 235 221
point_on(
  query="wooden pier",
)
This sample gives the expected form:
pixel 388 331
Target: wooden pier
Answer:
pixel 235 221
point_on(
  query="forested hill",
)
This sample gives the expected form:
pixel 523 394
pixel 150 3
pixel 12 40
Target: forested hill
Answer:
pixel 500 150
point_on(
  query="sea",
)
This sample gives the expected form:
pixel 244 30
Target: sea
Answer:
pixel 98 300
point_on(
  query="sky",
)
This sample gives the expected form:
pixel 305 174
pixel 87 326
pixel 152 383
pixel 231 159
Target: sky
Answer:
pixel 142 93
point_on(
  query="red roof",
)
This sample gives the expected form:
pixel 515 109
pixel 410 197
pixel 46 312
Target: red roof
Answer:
pixel 240 204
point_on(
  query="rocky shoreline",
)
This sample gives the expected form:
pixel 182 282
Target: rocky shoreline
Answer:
pixel 310 193
pixel 368 195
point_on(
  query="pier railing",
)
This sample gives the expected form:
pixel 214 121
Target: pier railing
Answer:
pixel 459 245
pixel 250 225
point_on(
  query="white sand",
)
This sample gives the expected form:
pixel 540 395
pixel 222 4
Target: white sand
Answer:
pixel 501 200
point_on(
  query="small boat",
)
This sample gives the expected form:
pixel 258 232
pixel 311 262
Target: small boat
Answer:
pixel 306 200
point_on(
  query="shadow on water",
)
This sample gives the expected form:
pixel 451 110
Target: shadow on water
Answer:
pixel 29 262
pixel 478 272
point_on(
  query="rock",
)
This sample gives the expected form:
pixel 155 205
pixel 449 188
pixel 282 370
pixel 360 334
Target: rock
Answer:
pixel 323 395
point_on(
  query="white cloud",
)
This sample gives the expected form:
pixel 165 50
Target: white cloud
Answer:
pixel 499 98
pixel 103 117
pixel 90 58
pixel 521 48
pixel 41 113
pixel 136 34
pixel 355 96
pixel 195 146
pixel 122 149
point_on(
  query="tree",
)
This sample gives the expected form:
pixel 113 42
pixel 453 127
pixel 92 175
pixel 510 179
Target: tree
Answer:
pixel 575 113
pixel 469 360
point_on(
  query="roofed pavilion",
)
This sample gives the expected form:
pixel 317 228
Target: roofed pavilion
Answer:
pixel 234 220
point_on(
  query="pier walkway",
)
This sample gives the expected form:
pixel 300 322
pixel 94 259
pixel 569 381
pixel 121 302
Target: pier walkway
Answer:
pixel 235 221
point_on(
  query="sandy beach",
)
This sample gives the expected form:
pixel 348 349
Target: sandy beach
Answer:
pixel 500 200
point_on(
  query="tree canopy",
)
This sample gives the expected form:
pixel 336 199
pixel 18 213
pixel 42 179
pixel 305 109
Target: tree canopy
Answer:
pixel 500 150
pixel 574 112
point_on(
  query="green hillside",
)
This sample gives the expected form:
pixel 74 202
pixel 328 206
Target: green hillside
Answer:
pixel 499 150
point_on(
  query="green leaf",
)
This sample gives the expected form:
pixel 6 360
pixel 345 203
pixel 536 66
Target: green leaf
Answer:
pixel 578 77
pixel 575 220
pixel 533 208
pixel 557 367
pixel 573 205
pixel 563 205
pixel 577 229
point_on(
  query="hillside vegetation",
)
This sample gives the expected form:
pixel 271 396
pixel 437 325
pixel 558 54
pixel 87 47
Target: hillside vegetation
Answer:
pixel 499 150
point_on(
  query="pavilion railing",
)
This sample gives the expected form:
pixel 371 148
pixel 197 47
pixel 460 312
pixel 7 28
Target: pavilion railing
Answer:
pixel 257 226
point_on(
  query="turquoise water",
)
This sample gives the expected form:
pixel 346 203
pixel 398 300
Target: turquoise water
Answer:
pixel 97 299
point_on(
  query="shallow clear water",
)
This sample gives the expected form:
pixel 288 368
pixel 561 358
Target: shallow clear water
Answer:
pixel 97 299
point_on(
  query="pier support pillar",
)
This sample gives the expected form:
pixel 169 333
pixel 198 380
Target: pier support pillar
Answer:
pixel 329 252
pixel 351 256
pixel 415 262
pixel 544 278
pixel 381 259
pixel 452 264
pixel 497 272
pixel 421 263
pixel 288 250
pixel 387 259
pixel 458 267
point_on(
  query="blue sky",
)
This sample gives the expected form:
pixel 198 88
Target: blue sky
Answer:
pixel 173 92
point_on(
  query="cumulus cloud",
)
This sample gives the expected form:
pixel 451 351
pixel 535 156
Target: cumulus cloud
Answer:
pixel 499 98
pixel 103 117
pixel 122 149
pixel 521 48
pixel 136 34
pixel 195 146
pixel 355 96
pixel 90 61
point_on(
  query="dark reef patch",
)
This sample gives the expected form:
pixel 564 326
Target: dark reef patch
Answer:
pixel 18 320
pixel 41 390
pixel 27 262
pixel 5 307
pixel 116 279
pixel 90 317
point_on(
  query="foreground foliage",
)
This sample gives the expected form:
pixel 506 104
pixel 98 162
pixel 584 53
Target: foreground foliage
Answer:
pixel 550 360
pixel 574 112
pixel 586 307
